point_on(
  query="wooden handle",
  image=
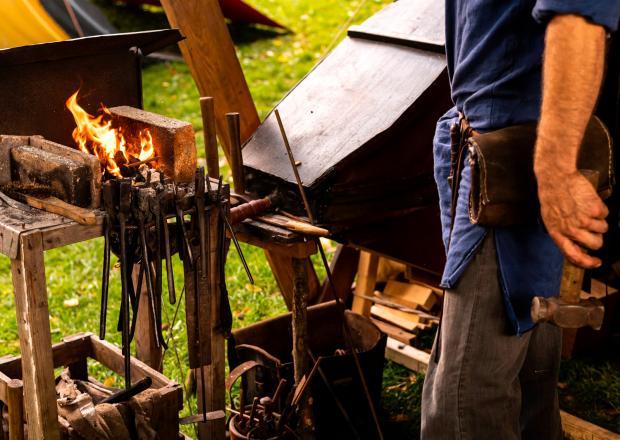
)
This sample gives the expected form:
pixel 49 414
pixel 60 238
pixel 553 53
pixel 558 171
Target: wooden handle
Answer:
pixel 572 275
pixel 294 225
pixel 236 158
pixel 56 206
pixel 251 209
pixel 207 109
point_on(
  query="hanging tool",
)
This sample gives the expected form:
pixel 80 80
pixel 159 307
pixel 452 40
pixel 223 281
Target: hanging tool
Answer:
pixel 236 157
pixel 233 235
pixel 185 249
pixel 339 304
pixel 155 211
pixel 167 252
pixel 143 209
pixel 108 203
pixel 123 215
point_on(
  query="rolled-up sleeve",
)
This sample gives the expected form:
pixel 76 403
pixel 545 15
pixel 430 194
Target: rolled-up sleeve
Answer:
pixel 603 12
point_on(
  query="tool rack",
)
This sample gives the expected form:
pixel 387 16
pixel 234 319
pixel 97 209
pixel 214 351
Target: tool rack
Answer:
pixel 26 233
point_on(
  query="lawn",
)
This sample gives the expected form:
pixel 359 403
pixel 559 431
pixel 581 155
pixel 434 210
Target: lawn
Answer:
pixel 273 63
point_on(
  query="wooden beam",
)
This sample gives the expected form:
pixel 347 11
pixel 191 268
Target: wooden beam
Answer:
pixel 366 280
pixel 209 52
pixel 35 338
pixel 578 429
pixel 344 268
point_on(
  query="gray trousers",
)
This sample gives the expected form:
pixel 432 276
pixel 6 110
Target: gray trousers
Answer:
pixel 486 383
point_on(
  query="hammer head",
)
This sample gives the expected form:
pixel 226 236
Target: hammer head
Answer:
pixel 589 312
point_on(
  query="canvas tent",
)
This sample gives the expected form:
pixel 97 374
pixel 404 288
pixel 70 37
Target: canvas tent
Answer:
pixel 27 22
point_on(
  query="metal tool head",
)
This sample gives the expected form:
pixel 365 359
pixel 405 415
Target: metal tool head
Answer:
pixel 586 313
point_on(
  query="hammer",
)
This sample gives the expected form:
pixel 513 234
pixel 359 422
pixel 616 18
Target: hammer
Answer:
pixel 568 310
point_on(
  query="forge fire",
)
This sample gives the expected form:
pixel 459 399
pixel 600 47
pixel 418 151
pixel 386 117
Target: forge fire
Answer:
pixel 116 151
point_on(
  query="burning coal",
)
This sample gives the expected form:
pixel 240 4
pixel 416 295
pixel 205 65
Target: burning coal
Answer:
pixel 95 135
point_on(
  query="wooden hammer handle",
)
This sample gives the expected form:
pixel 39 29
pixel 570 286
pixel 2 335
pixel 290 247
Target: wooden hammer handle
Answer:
pixel 572 275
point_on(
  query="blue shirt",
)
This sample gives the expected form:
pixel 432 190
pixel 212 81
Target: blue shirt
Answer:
pixel 494 50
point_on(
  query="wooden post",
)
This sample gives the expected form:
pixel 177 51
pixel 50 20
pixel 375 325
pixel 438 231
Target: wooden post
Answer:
pixel 214 374
pixel 366 280
pixel 209 52
pixel 146 347
pixel 343 266
pixel 300 318
pixel 35 338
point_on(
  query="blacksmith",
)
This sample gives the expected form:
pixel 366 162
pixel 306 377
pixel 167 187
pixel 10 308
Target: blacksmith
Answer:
pixel 493 374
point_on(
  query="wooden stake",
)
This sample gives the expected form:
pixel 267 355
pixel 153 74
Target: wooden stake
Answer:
pixel 207 109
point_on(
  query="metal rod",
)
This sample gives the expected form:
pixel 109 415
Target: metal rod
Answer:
pixel 236 157
pixel 207 109
pixel 294 167
pixel 339 304
pixel 124 206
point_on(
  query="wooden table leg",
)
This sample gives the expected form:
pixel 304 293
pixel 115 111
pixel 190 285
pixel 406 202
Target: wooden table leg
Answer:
pixel 35 338
pixel 365 284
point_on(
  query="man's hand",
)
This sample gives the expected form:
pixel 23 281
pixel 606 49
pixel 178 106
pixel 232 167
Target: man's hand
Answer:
pixel 574 215
pixel 572 75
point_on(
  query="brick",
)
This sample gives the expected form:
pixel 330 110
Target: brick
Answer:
pixel 174 140
pixel 67 179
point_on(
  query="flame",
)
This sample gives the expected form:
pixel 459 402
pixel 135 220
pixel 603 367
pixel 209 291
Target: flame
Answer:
pixel 95 135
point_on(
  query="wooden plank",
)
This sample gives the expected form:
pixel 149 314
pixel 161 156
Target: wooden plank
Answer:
pixel 299 249
pixel 410 295
pixel 111 356
pixel 214 374
pixel 28 272
pixel 413 23
pixel 394 332
pixel 365 284
pixel 344 268
pixel 407 356
pixel 578 429
pixel 210 55
pixel 401 319
pixel 332 113
pixel 282 268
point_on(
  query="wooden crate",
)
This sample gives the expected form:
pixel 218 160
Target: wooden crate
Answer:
pixel 73 353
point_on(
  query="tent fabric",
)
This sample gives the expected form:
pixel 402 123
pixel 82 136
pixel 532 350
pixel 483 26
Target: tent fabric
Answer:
pixel 89 16
pixel 236 11
pixel 26 22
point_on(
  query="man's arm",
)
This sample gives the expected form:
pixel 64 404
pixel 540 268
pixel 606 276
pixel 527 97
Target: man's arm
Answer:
pixel 573 68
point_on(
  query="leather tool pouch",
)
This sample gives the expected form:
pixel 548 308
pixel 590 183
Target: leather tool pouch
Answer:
pixel 503 190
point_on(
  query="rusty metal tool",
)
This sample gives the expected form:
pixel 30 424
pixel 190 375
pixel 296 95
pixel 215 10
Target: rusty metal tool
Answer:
pixel 339 304
pixel 124 395
pixel 172 297
pixel 568 310
pixel 236 157
pixel 108 203
pixel 207 109
pixel 143 209
pixel 155 211
pixel 181 229
pixel 233 235
pixel 123 214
